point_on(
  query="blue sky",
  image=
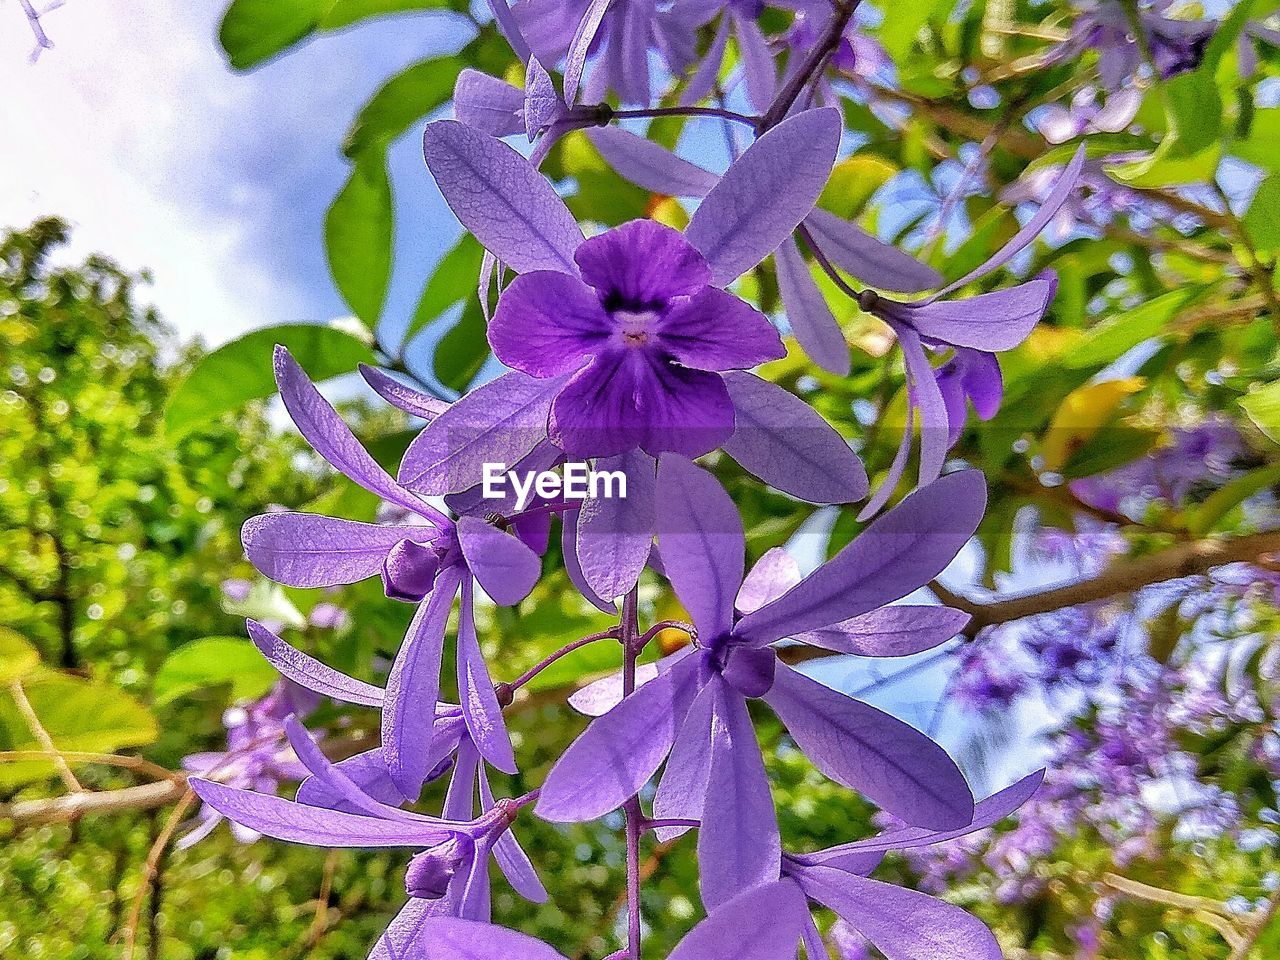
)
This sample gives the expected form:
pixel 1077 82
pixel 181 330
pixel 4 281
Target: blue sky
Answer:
pixel 135 130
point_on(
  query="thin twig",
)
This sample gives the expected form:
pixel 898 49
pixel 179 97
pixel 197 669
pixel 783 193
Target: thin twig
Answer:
pixel 42 736
pixel 151 869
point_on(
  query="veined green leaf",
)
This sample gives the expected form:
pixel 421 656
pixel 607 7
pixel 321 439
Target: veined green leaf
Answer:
pixel 1263 408
pixel 401 101
pixel 1109 340
pixel 213 662
pixel 358 235
pixel 240 371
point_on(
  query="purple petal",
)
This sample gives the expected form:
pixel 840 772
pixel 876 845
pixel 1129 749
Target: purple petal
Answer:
pixel 368 771
pixel 500 422
pixel 504 565
pixel 757 63
pixel 773 575
pixel 715 330
pixel 488 104
pixel 867 257
pixel 618 753
pixel 650 165
pixel 320 424
pixel 786 443
pixel 702 544
pixel 415 681
pixel 402 397
pixel 475 690
pixel 573 566
pixel 548 323
pixel 472 502
pixel 738 845
pixel 763 923
pixel 315 826
pixel 1023 238
pixel 897 468
pixel 891 763
pixel 903 924
pixel 456 939
pixel 334 780
pixel 311 673
pixel 935 427
pixel 542 105
pixel 986 813
pixel 994 321
pixel 620 401
pixel 983 383
pixel 510 208
pixel 704 79
pixel 403 936
pixel 642 262
pixel 897 553
pixel 307 550
pixel 812 322
pixel 509 26
pixel 580 46
pixel 765 193
pixel 600 696
pixel 616 533
pixel 897 631
pixel 512 860
pixel 682 791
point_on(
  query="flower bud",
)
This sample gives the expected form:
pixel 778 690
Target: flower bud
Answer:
pixel 431 871
pixel 409 572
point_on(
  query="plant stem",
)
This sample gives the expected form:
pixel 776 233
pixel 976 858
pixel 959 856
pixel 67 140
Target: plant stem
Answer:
pixel 611 633
pixel 844 10
pixel 718 112
pixel 630 631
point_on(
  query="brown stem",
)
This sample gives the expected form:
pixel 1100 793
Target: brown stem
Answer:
pixel 844 10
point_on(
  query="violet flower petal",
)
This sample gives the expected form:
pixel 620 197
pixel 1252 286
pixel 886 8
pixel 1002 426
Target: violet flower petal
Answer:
pixel 600 696
pixel 763 923
pixel 548 323
pixel 542 105
pixel 459 939
pixel 309 672
pixel 867 257
pixel 704 79
pixel 573 566
pixel 986 813
pixel 1056 197
pixel 500 422
pixel 714 330
pixel 650 165
pixel 758 67
pixel 682 790
pixel 368 771
pixel 995 321
pixel 334 779
pixel 786 443
pixel 320 424
pixel 488 104
pixel 497 195
pixel 812 323
pixel 618 753
pixel 642 262
pixel 935 428
pixel 897 553
pixel 413 682
pixel 773 575
pixel 765 193
pixel 505 566
pixel 890 762
pixel 512 860
pixel 616 533
pixel 738 843
pixel 402 936
pixel 889 483
pixel 703 547
pixel 896 631
pixel 307 550
pixel 903 924
pixel 472 501
pixel 401 396
pixel 315 826
pixel 475 690
pixel 576 59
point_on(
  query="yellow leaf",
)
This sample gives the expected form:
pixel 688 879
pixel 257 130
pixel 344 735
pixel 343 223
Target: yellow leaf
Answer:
pixel 1082 414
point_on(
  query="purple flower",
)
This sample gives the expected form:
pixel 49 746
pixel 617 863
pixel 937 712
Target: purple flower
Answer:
pixel 695 707
pixel 644 335
pixel 1107 27
pixel 425 563
pixel 1060 124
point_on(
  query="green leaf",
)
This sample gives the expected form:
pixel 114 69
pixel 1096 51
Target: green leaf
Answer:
pixel 358 234
pixel 77 714
pixel 214 662
pixel 266 601
pixel 1190 151
pixel 1263 408
pixel 17 657
pixel 898 32
pixel 253 31
pixel 853 182
pixel 240 371
pixel 1262 221
pixel 1109 340
pixel 402 100
pixel 455 278
pixel 1112 446
pixel 463 350
pixel 1259 147
pixel 256 30
pixel 1226 498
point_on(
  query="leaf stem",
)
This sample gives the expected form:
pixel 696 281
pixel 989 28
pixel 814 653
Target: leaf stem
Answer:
pixel 630 634
pixel 610 634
